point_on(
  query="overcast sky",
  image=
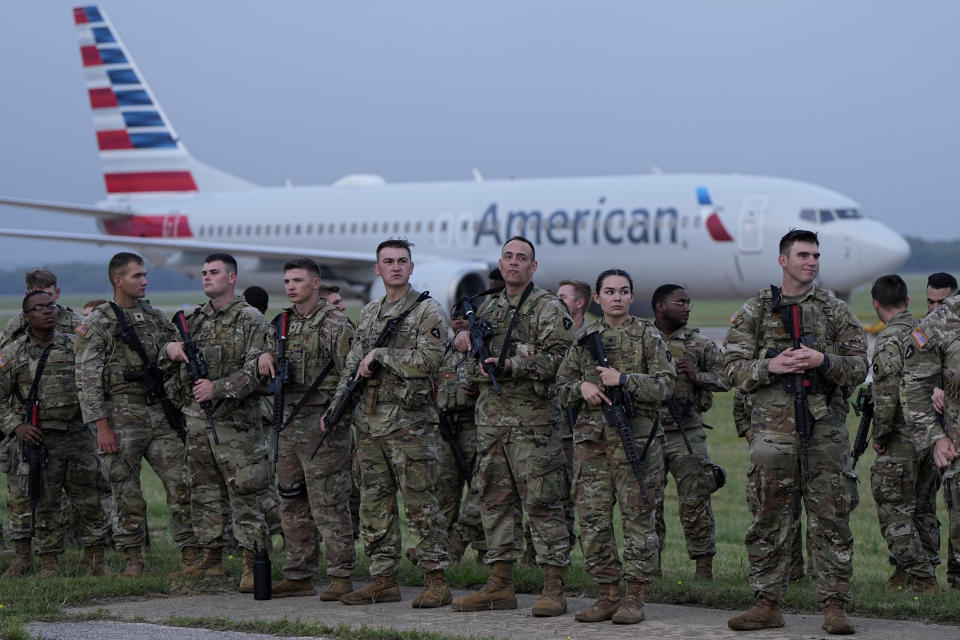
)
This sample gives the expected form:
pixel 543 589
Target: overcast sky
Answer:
pixel 857 96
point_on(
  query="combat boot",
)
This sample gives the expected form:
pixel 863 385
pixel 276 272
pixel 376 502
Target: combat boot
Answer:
pixel 92 562
pixel 764 614
pixel 382 588
pixel 338 588
pixel 246 574
pixel 497 594
pixel 48 566
pixel 21 560
pixel 602 609
pixel 211 565
pixel 436 592
pixel 704 568
pixel 134 568
pixel 189 563
pixel 631 609
pixel 834 619
pixel 898 581
pixel 294 588
pixel 926 586
pixel 552 601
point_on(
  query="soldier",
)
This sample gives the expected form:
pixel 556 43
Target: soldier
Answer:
pixel 129 421
pixel 786 468
pixel 332 293
pixel 314 492
pixel 901 474
pixel 90 305
pixel 576 295
pixel 41 280
pixel 641 366
pixel 396 423
pixel 521 454
pixel 456 398
pixel 940 286
pixel 231 335
pixel 932 357
pixel 38 367
pixel 699 373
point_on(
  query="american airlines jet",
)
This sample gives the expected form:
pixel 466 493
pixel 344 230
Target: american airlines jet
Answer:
pixel 716 234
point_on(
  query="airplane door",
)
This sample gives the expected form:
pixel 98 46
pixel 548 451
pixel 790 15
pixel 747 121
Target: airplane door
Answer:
pixel 751 223
pixel 170 224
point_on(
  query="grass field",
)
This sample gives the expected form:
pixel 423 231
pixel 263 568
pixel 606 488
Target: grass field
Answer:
pixel 30 598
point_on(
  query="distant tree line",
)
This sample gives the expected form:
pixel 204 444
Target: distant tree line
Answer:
pixel 85 277
pixel 928 256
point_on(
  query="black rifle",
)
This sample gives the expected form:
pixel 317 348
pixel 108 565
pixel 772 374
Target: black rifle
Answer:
pixel 450 432
pixel 480 332
pixel 619 413
pixel 281 378
pixel 36 456
pixel 356 386
pixel 150 376
pixel 863 407
pixel 196 366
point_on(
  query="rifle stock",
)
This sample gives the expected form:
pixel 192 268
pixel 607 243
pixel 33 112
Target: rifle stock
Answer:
pixel 863 407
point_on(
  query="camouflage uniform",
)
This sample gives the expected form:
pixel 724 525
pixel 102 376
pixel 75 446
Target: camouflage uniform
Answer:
pixel 396 420
pixel 602 475
pixel 464 522
pixel 776 477
pixel 904 480
pixel 72 464
pixel 691 472
pixel 104 364
pixel 315 494
pixel 932 358
pixel 521 454
pixel 231 339
pixel 67 320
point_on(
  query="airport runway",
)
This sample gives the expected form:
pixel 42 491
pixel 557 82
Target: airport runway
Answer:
pixel 663 621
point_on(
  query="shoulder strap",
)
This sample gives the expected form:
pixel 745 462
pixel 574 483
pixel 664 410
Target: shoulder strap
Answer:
pixel 394 323
pixel 513 324
pixel 129 335
pixel 35 387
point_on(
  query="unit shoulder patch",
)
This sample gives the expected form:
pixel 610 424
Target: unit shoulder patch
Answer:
pixel 435 332
pixel 567 323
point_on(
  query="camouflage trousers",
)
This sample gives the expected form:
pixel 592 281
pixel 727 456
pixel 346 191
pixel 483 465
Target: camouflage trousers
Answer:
pixel 568 507
pixel 776 486
pixel 71 467
pixel 696 514
pixel 602 478
pixel 404 460
pixel 460 512
pixel 240 464
pixel 524 464
pixel 905 485
pixel 315 498
pixel 143 433
pixel 951 496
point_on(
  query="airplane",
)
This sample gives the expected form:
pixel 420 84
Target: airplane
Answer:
pixel 715 234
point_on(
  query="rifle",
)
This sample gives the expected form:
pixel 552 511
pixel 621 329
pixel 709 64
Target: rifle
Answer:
pixel 450 432
pixel 35 455
pixel 619 413
pixel 863 407
pixel 680 418
pixel 196 366
pixel 355 386
pixel 150 376
pixel 480 332
pixel 276 383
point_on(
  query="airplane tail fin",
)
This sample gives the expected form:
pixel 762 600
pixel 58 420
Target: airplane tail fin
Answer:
pixel 140 152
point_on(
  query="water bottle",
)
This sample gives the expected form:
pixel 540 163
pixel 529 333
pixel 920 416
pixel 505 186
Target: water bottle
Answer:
pixel 262 586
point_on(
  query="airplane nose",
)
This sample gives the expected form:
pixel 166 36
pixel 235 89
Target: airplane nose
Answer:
pixel 883 250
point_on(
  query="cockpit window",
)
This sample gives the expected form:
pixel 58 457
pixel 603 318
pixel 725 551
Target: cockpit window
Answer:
pixel 826 216
pixel 809 215
pixel 848 213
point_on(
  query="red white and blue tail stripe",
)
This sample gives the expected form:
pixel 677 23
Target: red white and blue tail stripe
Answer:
pixel 140 151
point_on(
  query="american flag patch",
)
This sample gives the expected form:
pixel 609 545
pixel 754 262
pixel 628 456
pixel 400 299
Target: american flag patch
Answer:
pixel 919 337
pixel 82 329
pixel 734 317
pixel 3 361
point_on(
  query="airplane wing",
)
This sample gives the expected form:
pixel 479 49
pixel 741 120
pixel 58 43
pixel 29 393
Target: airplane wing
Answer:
pixel 325 257
pixel 67 207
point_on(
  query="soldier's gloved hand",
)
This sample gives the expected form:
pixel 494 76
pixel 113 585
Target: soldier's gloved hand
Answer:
pixel 944 452
pixel 175 352
pixel 937 398
pixel 267 365
pixel 462 341
pixel 106 438
pixel 592 394
pixel 29 434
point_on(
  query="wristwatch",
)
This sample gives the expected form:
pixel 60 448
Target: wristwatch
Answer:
pixel 623 379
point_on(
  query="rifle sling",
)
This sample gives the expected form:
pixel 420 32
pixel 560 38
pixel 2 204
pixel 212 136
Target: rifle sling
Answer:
pixel 306 396
pixel 35 386
pixel 513 323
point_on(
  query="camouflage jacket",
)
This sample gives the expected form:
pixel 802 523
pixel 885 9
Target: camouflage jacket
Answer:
pixel 543 333
pixel 827 325
pixel 231 339
pixel 451 396
pixel 887 371
pixel 57 391
pixel 67 319
pixel 105 363
pixel 401 393
pixel 635 349
pixel 931 358
pixel 693 398
pixel 315 339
